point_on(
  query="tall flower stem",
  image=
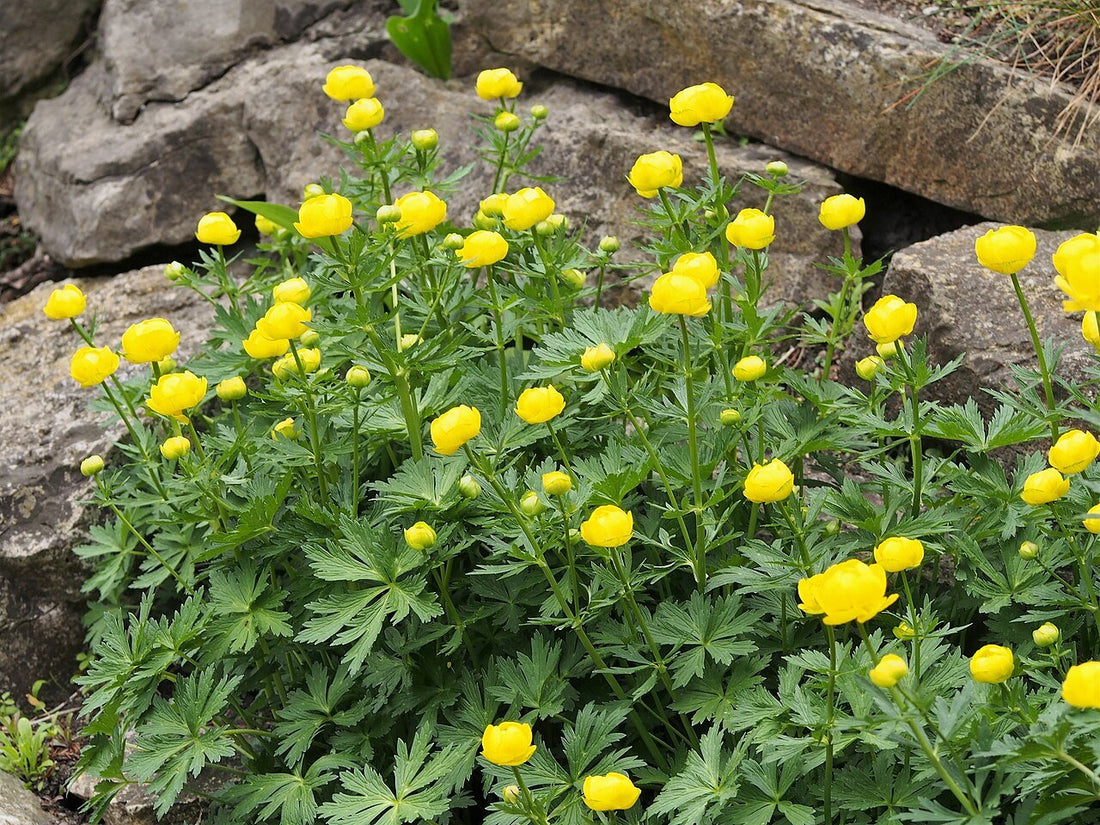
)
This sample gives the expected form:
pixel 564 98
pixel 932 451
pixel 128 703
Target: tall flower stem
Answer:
pixel 400 378
pixel 498 327
pixel 916 449
pixel 915 624
pixel 570 555
pixel 676 225
pixel 830 710
pixel 354 508
pixel 311 417
pixel 561 450
pixel 551 277
pixel 1040 356
pixel 700 554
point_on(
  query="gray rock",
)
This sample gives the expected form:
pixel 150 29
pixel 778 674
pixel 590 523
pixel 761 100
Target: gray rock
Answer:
pixel 965 308
pixel 45 431
pixel 18 806
pixel 822 79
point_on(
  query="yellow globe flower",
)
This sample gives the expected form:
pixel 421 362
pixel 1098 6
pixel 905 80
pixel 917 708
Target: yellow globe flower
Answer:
pixel 285 429
pixel 597 358
pixel 494 84
pixel 266 226
pixel 420 536
pixel 259 346
pixel 284 320
pixel 482 248
pixel 1081 687
pixel 1044 487
pixel 676 294
pixel 1090 331
pixel 1078 264
pixel 992 664
pixel 527 207
pixel 288 365
pixel 890 670
pixel 848 591
pixel 507 744
pixel 698 265
pixel 769 482
pixel 454 428
pixel 1074 451
pixel 751 229
pixel 324 215
pixel 750 368
pixel 148 341
pixel 174 393
pixel 93 365
pixel 65 302
pixel 556 483
pixel 1045 634
pixel 1092 524
pixel 890 319
pixel 1006 250
pixel 610 792
pixel 348 83
pixel 841 211
pixel 292 290
pixel 421 212
pixel 867 368
pixel 217 229
pixel 608 526
pixel 493 205
pixel 654 171
pixel 175 447
pixel 897 553
pixel 539 404
pixel 364 114
pixel 704 103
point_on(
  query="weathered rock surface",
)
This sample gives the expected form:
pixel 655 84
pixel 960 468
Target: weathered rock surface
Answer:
pixel 822 79
pixel 18 806
pixel 37 37
pixel 135 806
pixel 45 431
pixel 965 308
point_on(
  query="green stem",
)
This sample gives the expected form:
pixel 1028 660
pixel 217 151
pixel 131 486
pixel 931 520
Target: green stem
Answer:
pixel 712 158
pixel 1048 389
pixel 676 225
pixel 355 455
pixel 551 276
pixel 570 555
pixel 498 183
pixel 561 450
pixel 400 379
pixel 830 706
pixel 699 556
pixel 498 326
pixel 311 417
pixel 916 450
pixel 915 623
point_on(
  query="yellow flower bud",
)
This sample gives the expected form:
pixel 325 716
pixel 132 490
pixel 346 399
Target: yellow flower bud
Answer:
pixel 888 351
pixel 574 278
pixel 889 319
pixel 750 368
pixel 93 365
pixel 1081 688
pixel 293 290
pixel 507 744
pixel 510 793
pixel 610 792
pixel 348 83
pixel 530 504
pixel 175 447
pixel 654 171
pixel 608 526
pixel 904 632
pixel 284 320
pixel 285 429
pixel 324 215
pixel 841 211
pixel 420 536
pixel 729 417
pixel 556 483
pixel 1006 250
pixel 506 122
pixel 1028 550
pixel 1073 452
pixel 310 359
pixel 469 487
pixel 217 229
pixel 527 207
pixel 494 84
pixel 493 205
pixel 259 346
pixel 539 112
pixel 992 664
pixel 424 140
pixel 1078 264
pixel 1092 524
pixel 482 248
pixel 65 302
pixel 897 553
pixel 174 271
pixel 357 376
pixel 866 368
pixel 266 226
pixel 850 590
pixel 364 114
pixel 231 389
pixel 704 103
pixel 597 358
pixel 769 482
pixel 421 212
pixel 676 294
pixel 698 265
pixel 890 670
pixel 310 338
pixel 1044 487
pixel 777 169
pixel 751 229
pixel 454 428
pixel 1046 634
pixel 148 341
pixel 174 393
pixel 92 465
pixel 312 190
pixel 539 404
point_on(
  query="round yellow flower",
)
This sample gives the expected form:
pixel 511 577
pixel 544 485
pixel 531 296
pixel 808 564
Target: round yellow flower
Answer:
pixel 65 302
pixel 284 320
pixel 1073 452
pixel 324 215
pixel 850 590
pixel 421 212
pixel 1090 331
pixel 364 114
pixel 1044 487
pixel 93 365
pixel 150 340
pixel 676 294
pixel 698 265
pixel 608 526
pixel 556 483
pixel 1092 524
pixel 897 553
pixel 482 248
pixel 539 404
pixel 527 207
pixel 217 229
pixel 175 447
pixel 610 792
pixel 890 319
pixel 288 365
pixel 750 368
pixel 454 428
pixel 266 226
pixel 867 368
pixel 348 83
pixel 1078 264
pixel 751 229
pixel 841 211
pixel 420 536
pixel 1082 685
pixel 259 346
pixel 292 290
pixel 992 664
pixel 1006 250
pixel 890 670
pixel 769 482
pixel 656 170
pixel 493 84
pixel 285 429
pixel 1045 634
pixel 174 393
pixel 507 744
pixel 704 103
pixel 597 358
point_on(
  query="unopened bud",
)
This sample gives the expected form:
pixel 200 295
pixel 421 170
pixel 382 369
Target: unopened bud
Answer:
pixel 166 364
pixel 388 213
pixel 312 190
pixel 469 487
pixel 867 367
pixel 530 504
pixel 888 351
pixel 175 447
pixel 310 338
pixel 483 221
pixel 777 169
pixel 556 483
pixel 510 793
pixel 539 112
pixel 574 277
pixel 91 465
pixel 420 536
pixel 425 139
pixel 453 241
pixel 357 376
pixel 506 122
pixel 609 244
pixel 174 271
pixel 409 339
pixel 1028 550
pixel 904 632
pixel 729 416
pixel 1046 634
pixel 231 389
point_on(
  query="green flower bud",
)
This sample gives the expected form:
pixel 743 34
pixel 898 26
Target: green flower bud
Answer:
pixel 312 190
pixel 388 213
pixel 469 487
pixel 1029 550
pixel 1046 634
pixel 166 364
pixel 539 112
pixel 729 416
pixel 574 277
pixel 483 221
pixel 420 536
pixel 91 465
pixel 231 389
pixel 310 338
pixel 453 241
pixel 609 244
pixel 510 794
pixel 777 169
pixel 832 527
pixel 425 139
pixel 358 376
pixel 174 271
pixel 530 504
pixel 506 122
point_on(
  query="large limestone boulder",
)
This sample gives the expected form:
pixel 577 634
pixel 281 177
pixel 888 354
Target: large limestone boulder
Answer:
pixel 18 806
pixel 965 308
pixel 825 79
pixel 46 429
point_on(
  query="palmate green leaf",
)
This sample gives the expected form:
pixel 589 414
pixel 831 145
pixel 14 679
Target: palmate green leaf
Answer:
pixel 309 712
pixel 292 795
pixel 182 736
pixel 703 791
pixel 767 796
pixel 245 608
pixel 705 627
pixel 111 546
pixel 422 787
pixel 539 681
